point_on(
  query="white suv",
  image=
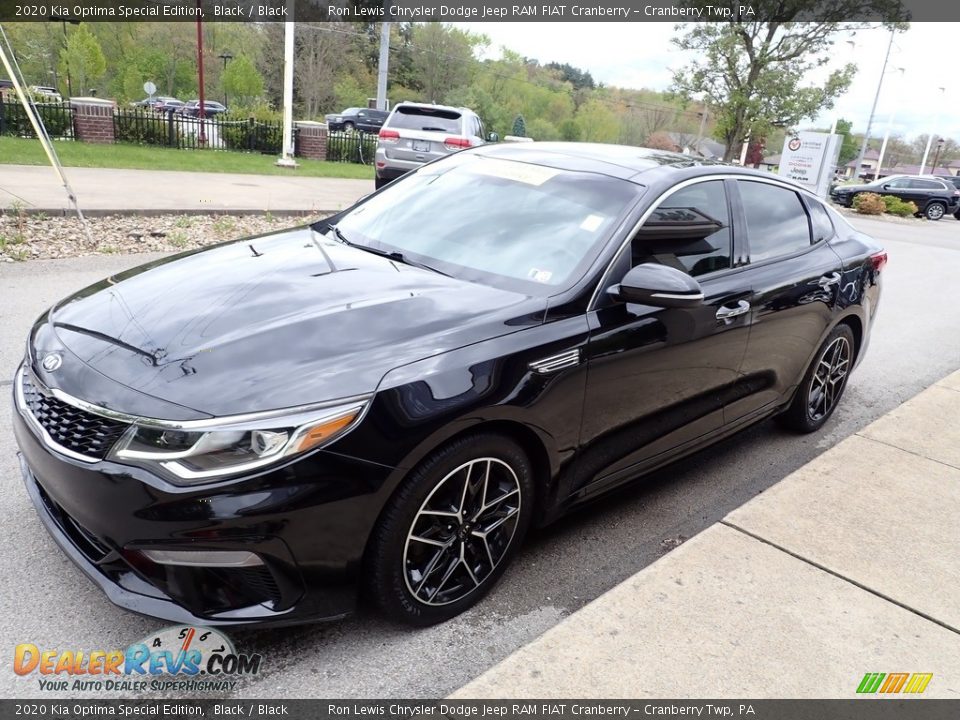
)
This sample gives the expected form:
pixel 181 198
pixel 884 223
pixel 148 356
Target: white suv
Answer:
pixel 416 133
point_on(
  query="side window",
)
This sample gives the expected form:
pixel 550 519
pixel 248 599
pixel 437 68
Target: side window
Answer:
pixel 690 231
pixel 899 183
pixel 480 132
pixel 777 224
pixel 925 185
pixel 820 220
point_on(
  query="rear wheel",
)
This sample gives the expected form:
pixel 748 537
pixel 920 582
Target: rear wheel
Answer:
pixel 379 182
pixel 451 530
pixel 935 211
pixel 349 126
pixel 823 384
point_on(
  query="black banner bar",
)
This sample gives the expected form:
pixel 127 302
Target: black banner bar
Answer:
pixel 476 10
pixel 160 709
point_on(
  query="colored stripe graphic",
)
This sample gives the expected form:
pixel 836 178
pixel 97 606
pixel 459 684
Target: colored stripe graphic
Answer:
pixel 914 683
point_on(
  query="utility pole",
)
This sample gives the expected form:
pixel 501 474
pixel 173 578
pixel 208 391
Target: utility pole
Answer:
pixel 703 123
pixel 936 122
pixel 289 39
pixel 384 66
pixel 866 135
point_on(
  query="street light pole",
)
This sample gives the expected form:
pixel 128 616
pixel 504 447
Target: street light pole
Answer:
pixel 936 122
pixel 936 157
pixel 226 57
pixel 886 135
pixel 202 115
pixel 866 135
pixel 836 117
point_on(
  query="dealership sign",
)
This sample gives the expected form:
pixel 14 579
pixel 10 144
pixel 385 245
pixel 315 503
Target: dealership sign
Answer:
pixel 810 159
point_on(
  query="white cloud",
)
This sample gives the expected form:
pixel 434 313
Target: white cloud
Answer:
pixel 640 55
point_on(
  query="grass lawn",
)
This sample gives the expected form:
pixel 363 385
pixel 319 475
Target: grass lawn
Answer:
pixel 22 151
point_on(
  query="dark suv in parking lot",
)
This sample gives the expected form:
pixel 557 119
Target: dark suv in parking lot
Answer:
pixel 955 181
pixel 362 119
pixel 933 196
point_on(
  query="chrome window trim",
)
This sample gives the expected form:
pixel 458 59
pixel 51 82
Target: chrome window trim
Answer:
pixel 205 424
pixel 592 306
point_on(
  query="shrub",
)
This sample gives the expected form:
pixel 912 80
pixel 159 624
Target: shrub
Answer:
pixel 351 147
pixel 898 207
pixel 57 119
pixel 142 128
pixel 869 204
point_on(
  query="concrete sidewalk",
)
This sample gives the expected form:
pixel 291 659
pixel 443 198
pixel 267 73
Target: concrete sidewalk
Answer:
pixel 99 190
pixel 849 565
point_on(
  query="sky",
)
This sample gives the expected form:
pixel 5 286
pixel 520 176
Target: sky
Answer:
pixel 640 55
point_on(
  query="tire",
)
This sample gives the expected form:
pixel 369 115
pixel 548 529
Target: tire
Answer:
pixel 957 214
pixel 424 568
pixel 934 211
pixel 379 182
pixel 849 201
pixel 348 126
pixel 823 384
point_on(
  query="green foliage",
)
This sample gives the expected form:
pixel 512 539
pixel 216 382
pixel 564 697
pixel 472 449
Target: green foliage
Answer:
pixel 351 147
pixel 143 128
pixel 242 82
pixel 869 204
pixel 849 148
pixel 83 59
pixel 542 129
pixel 755 75
pixel 597 122
pixel 56 119
pixel 519 127
pixel 898 207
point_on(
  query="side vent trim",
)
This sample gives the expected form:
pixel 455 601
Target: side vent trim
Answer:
pixel 556 363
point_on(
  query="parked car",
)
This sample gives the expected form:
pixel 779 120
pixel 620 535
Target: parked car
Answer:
pixel 46 93
pixel 210 108
pixel 955 181
pixel 934 196
pixel 390 398
pixel 416 133
pixel 362 119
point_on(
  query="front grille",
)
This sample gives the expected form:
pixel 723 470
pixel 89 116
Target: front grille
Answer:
pixel 70 427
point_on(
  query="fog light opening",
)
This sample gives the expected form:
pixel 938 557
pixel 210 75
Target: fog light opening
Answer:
pixel 203 558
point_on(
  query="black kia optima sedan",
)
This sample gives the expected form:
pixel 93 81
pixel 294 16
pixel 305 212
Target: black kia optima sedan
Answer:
pixel 383 403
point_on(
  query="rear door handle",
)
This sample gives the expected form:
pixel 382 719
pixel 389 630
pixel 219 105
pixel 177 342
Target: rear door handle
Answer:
pixel 726 313
pixel 828 280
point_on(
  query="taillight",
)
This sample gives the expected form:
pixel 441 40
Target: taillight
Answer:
pixel 878 260
pixel 456 143
pixel 956 193
pixel 390 136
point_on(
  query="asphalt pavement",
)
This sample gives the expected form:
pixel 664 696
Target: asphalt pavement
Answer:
pixel 46 601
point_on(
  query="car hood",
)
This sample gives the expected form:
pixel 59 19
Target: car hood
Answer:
pixel 275 321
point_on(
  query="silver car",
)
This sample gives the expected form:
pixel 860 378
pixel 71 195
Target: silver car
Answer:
pixel 416 133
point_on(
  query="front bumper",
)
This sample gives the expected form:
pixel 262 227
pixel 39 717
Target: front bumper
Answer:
pixel 308 522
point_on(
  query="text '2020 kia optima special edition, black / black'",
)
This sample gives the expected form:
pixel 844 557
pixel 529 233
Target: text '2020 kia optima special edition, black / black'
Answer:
pixel 382 404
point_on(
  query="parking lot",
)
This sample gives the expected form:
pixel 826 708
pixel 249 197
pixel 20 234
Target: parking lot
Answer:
pixel 44 600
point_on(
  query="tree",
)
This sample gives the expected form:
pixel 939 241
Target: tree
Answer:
pixel 84 58
pixel 849 147
pixel 242 82
pixel 519 127
pixel 443 58
pixel 660 141
pixel 754 75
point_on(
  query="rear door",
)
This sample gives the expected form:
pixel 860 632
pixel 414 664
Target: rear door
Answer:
pixel 795 275
pixel 423 132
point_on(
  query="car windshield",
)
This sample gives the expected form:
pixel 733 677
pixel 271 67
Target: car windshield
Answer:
pixel 410 117
pixel 500 222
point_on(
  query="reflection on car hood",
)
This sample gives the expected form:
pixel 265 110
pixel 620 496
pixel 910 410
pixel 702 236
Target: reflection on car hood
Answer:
pixel 276 321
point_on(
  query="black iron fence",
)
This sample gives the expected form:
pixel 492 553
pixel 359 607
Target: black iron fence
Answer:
pixel 146 127
pixel 350 146
pixel 57 119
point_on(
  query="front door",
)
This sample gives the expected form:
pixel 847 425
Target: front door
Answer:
pixel 657 377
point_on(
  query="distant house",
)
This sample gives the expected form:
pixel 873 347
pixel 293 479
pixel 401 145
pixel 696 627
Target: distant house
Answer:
pixel 868 168
pixel 771 163
pixel 704 147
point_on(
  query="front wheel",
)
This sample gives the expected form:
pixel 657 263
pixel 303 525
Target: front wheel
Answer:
pixel 823 384
pixel 935 211
pixel 451 530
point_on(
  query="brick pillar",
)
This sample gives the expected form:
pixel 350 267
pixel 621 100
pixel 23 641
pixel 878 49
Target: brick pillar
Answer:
pixel 92 119
pixel 311 140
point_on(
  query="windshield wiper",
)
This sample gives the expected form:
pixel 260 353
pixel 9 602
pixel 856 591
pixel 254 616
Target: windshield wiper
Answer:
pixel 389 254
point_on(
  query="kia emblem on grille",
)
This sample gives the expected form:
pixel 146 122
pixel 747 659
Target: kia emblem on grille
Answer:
pixel 52 361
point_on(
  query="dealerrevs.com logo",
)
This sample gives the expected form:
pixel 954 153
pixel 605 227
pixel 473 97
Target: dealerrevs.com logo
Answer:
pixel 180 658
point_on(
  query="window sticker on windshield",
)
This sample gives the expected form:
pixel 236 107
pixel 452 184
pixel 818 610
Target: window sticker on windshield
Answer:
pixel 518 172
pixel 591 223
pixel 540 276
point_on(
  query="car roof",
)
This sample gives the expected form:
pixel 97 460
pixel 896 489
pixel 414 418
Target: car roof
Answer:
pixel 626 162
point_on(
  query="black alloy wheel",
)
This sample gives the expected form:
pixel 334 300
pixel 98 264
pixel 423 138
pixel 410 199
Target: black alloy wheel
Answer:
pixel 451 531
pixel 823 384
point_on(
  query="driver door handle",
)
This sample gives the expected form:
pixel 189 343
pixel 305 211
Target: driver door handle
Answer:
pixel 726 313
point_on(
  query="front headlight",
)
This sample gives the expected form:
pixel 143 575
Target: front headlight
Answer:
pixel 195 452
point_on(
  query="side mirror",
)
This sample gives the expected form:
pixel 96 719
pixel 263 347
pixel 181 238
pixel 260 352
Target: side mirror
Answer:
pixel 886 187
pixel 659 286
pixel 493 137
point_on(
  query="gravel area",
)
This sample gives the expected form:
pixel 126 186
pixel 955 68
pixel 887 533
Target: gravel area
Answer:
pixel 32 237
